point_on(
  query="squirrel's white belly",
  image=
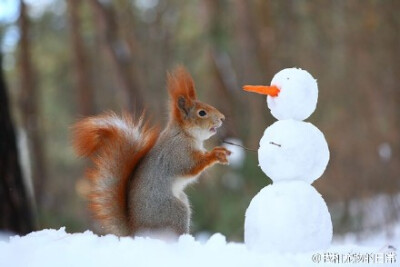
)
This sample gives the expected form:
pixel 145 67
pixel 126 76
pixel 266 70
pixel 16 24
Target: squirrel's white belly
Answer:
pixel 179 184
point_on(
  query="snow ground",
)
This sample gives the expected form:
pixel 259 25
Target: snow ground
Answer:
pixel 386 237
pixel 58 248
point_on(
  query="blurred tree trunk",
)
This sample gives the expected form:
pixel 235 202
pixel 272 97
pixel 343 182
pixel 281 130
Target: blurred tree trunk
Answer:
pixel 15 210
pixel 119 56
pixel 84 86
pixel 29 109
pixel 251 70
pixel 221 70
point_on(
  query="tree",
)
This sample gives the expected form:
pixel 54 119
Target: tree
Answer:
pixel 119 56
pixel 29 106
pixel 16 213
pixel 84 87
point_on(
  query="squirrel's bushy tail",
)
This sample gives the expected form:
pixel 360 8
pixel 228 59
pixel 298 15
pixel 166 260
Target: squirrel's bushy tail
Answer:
pixel 115 145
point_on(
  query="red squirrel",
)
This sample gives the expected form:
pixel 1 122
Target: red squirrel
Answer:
pixel 139 174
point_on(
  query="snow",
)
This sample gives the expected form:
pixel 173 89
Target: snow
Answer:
pixel 58 248
pixel 5 235
pixel 385 152
pixel 293 150
pixel 370 213
pixel 387 235
pixel 236 158
pixel 288 217
pixel 298 95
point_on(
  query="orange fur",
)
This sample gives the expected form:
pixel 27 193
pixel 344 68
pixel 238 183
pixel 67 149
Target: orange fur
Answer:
pixel 205 160
pixel 115 145
pixel 180 84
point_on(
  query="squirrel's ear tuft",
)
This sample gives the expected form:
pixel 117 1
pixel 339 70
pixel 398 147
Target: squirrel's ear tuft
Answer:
pixel 180 83
pixel 183 105
pixel 182 93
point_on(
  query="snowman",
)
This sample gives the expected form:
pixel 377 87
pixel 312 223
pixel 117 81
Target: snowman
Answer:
pixel 290 215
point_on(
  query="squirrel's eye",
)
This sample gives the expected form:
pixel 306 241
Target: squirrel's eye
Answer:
pixel 202 113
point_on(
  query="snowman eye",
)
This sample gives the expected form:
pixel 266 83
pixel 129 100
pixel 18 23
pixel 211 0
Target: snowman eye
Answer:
pixel 202 113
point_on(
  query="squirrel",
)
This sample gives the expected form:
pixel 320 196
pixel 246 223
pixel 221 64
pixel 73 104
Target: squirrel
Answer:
pixel 139 173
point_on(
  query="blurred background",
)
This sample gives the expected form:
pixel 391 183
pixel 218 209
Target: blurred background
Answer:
pixel 66 59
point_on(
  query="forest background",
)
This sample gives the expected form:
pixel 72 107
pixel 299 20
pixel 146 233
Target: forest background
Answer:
pixel 63 60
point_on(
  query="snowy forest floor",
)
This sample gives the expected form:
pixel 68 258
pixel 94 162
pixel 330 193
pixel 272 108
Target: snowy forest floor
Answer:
pixel 58 248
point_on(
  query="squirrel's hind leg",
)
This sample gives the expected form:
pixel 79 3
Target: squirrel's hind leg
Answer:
pixel 172 217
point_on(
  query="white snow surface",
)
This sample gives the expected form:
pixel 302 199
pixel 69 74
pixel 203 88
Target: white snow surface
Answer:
pixel 288 217
pixel 298 95
pixel 49 248
pixel 293 150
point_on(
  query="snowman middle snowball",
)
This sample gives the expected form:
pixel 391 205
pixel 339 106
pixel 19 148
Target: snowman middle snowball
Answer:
pixel 293 150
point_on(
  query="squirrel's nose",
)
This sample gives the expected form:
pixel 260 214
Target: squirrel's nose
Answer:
pixel 222 118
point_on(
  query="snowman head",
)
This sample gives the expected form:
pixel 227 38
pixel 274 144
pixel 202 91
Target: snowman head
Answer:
pixel 293 94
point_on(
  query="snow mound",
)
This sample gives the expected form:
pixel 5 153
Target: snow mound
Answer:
pixel 293 150
pixel 288 217
pixel 49 248
pixel 298 95
pixel 236 159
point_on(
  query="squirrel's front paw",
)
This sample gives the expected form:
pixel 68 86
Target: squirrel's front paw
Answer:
pixel 221 153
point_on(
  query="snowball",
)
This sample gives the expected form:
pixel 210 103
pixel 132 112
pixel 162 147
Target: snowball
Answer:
pixel 236 159
pixel 288 217
pixel 298 95
pixel 293 150
pixel 385 151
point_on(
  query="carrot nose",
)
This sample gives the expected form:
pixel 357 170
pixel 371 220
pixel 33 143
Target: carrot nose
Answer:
pixel 262 89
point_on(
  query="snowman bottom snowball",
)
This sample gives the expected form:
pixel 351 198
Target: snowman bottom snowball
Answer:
pixel 288 217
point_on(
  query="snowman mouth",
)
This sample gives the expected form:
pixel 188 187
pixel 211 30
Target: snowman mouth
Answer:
pixel 275 144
